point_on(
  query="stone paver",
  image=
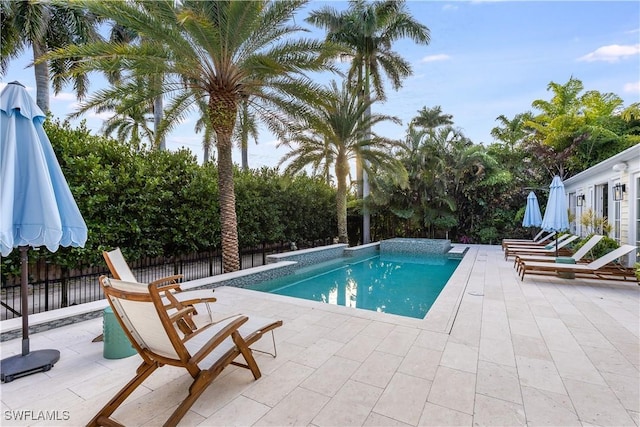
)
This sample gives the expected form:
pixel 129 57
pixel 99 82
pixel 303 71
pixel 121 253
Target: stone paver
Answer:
pixel 494 351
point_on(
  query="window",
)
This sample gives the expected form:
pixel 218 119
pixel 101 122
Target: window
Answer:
pixel 615 221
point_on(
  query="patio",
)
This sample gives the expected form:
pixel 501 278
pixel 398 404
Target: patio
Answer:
pixel 492 351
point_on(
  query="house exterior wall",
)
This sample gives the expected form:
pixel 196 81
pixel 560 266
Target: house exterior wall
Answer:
pixel 597 185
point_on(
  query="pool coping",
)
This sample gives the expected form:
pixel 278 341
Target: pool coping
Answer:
pixel 439 318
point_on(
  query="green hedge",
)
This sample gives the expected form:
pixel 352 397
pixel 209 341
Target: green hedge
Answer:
pixel 161 203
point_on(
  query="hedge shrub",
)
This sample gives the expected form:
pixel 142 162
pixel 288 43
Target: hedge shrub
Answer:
pixel 161 203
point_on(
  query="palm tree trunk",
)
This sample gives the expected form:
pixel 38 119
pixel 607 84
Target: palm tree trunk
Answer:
pixel 228 219
pixel 245 156
pixel 205 157
pixel 42 77
pixel 158 108
pixel 342 171
pixel 366 216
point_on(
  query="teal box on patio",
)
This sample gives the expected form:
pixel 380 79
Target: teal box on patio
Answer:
pixel 116 343
pixel 566 260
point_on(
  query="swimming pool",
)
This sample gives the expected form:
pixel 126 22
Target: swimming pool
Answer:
pixel 406 285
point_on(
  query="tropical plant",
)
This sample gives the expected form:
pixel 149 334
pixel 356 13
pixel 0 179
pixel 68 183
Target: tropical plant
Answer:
pixel 367 32
pixel 575 131
pixel 223 52
pixel 332 131
pixel 594 223
pixel 45 26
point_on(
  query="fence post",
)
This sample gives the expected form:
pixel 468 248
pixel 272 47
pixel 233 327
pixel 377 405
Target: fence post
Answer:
pixel 64 298
pixel 46 285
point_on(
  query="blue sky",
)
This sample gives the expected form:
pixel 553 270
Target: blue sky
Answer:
pixel 486 58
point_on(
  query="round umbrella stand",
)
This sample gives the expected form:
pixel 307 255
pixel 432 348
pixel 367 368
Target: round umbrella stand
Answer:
pixel 35 361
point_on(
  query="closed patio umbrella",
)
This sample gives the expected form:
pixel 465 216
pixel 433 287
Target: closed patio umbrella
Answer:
pixel 556 216
pixel 532 215
pixel 37 208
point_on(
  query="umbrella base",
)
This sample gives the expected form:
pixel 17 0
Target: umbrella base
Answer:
pixel 19 366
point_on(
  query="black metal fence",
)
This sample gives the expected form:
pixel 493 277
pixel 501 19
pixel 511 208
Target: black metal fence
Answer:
pixel 52 287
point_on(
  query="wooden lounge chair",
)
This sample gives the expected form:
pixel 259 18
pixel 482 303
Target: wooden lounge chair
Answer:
pixel 577 256
pixel 120 270
pixel 160 335
pixel 538 238
pixel 549 249
pixel 537 245
pixel 601 268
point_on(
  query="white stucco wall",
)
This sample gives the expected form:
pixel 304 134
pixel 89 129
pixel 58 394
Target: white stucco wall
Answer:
pixel 623 168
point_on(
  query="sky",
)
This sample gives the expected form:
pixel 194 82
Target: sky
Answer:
pixel 485 59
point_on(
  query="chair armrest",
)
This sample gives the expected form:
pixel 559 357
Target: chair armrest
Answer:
pixel 197 300
pixel 169 282
pixel 180 314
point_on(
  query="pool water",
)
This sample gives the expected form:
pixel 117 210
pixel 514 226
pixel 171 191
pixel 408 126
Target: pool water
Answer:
pixel 406 285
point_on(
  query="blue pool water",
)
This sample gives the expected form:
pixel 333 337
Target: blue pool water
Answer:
pixel 399 284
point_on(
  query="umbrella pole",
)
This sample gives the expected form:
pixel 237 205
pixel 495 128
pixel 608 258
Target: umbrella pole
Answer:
pixel 29 362
pixel 24 297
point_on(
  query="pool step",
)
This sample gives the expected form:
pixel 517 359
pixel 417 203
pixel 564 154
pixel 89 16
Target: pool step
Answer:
pixel 457 252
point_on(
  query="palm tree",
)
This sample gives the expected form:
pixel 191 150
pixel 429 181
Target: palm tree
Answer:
pixel 132 126
pixel 333 132
pixel 45 26
pixel 431 118
pixel 367 31
pixel 120 34
pixel 208 138
pixel 222 51
pixel 246 126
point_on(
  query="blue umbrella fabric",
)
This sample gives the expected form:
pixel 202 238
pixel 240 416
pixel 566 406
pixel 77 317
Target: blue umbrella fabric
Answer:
pixel 36 208
pixel 556 216
pixel 532 215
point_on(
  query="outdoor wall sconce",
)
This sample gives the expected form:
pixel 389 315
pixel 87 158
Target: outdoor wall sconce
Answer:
pixel 620 167
pixel 618 192
pixel 580 200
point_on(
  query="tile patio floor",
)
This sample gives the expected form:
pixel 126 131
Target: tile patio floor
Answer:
pixel 493 351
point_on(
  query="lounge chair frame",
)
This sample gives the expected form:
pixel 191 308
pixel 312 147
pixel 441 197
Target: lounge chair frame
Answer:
pixel 163 339
pixel 531 250
pixel 537 239
pixel 602 268
pixel 577 256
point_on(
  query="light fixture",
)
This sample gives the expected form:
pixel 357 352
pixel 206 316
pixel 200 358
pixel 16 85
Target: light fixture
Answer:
pixel 618 192
pixel 620 167
pixel 580 200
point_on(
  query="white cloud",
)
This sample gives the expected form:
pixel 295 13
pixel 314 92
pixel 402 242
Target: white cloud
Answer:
pixel 449 7
pixel 64 96
pixel 101 116
pixel 611 53
pixel 434 58
pixel 632 87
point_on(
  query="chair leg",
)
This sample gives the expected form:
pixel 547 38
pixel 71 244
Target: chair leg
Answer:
pixel 142 373
pixel 246 353
pixel 275 348
pixel 205 377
